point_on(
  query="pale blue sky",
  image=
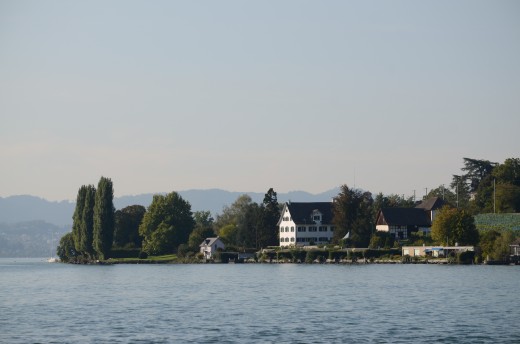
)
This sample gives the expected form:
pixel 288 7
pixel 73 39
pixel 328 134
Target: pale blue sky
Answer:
pixel 244 96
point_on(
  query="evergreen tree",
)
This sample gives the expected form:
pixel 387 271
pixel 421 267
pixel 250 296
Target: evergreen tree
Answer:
pixel 268 236
pixel 476 171
pixel 104 218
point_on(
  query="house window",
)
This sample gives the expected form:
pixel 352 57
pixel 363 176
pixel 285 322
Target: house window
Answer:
pixel 287 229
pixel 332 228
pixel 323 228
pixel 281 229
pixel 292 239
pixel 286 239
pixel 301 229
pixel 292 229
pixel 313 229
pixel 323 239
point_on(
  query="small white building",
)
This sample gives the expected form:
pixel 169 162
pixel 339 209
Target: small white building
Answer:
pixel 305 223
pixel 210 245
pixel 434 251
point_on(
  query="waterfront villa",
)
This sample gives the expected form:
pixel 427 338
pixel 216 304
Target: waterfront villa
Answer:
pixel 401 222
pixel 305 223
pixel 210 245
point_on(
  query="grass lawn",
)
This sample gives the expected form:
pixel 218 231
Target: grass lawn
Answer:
pixel 169 258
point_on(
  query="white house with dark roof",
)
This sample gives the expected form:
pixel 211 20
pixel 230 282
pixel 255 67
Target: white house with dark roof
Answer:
pixel 210 245
pixel 305 223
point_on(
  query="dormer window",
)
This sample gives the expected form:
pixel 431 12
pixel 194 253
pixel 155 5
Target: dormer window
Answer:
pixel 316 216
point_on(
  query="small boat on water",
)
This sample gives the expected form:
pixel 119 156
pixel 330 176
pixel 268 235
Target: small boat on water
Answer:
pixel 53 260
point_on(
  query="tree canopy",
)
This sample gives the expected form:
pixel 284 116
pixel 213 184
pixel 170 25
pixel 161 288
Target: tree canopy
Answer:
pixel 454 226
pixel 353 214
pixel 268 233
pixel 203 229
pixel 104 218
pixel 168 220
pixel 126 230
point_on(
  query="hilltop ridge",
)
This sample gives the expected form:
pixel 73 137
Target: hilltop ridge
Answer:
pixel 22 208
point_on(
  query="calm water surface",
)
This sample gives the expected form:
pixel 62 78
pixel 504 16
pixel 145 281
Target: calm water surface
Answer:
pixel 59 303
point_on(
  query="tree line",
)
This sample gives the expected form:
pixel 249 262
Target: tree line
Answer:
pixel 92 224
pixel 169 226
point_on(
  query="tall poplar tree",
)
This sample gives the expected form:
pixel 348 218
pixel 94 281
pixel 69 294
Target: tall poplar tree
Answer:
pixel 104 218
pixel 87 222
pixel 77 218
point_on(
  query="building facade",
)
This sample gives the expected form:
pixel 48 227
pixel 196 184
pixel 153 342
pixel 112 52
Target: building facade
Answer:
pixel 305 223
pixel 401 222
pixel 210 245
pixel 434 251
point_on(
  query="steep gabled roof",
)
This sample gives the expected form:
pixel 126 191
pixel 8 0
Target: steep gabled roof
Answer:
pixel 403 217
pixel 301 212
pixel 209 241
pixel 430 204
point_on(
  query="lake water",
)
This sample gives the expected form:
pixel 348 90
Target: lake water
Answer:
pixel 59 303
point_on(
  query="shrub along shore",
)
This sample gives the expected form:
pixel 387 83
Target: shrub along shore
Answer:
pixel 295 256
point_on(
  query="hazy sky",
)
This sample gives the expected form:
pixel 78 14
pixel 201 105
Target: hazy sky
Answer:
pixel 248 95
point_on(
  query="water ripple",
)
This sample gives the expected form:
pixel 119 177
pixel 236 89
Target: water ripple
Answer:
pixel 57 303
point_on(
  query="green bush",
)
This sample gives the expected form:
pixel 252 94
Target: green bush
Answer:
pixel 143 255
pixel 298 255
pixel 311 256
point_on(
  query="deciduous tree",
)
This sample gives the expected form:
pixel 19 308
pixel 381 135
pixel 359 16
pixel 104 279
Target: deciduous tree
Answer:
pixel 172 215
pixel 77 218
pixel 203 229
pixel 127 221
pixel 66 250
pixel 87 222
pixel 452 226
pixel 104 218
pixel 353 214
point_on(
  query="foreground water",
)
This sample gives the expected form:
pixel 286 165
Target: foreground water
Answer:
pixel 59 303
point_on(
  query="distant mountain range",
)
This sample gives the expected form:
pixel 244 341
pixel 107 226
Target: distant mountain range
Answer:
pixel 15 209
